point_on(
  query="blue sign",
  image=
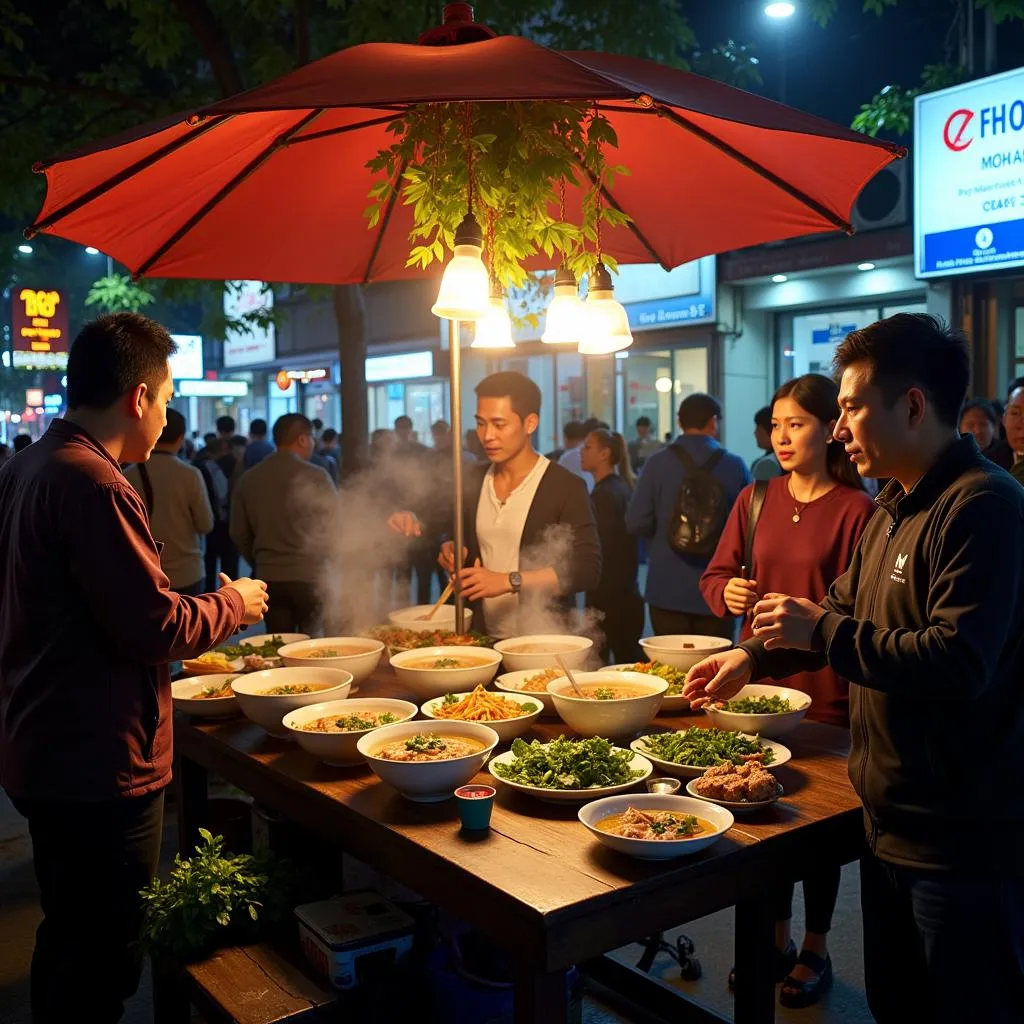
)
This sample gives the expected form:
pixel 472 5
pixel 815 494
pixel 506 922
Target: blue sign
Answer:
pixel 974 247
pixel 666 312
pixel 832 334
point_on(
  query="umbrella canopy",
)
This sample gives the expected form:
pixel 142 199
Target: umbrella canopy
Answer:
pixel 271 184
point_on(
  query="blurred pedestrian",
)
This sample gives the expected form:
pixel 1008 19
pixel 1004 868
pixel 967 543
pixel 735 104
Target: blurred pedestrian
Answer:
pixel 1013 421
pixel 574 434
pixel 980 419
pixel 765 466
pixel 645 445
pixel 21 442
pixel 179 508
pixel 278 521
pixel 259 447
pixel 88 624
pixel 605 456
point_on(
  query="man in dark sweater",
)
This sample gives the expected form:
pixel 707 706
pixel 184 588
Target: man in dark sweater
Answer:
pixel 928 626
pixel 88 624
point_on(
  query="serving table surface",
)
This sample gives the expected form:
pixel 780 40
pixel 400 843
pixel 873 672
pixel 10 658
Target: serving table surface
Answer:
pixel 537 882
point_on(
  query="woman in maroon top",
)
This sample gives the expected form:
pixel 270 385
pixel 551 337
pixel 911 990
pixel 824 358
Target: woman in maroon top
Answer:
pixel 811 520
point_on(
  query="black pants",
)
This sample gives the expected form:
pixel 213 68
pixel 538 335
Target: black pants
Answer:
pixel 942 946
pixel 622 625
pixel 821 890
pixel 91 860
pixel 667 622
pixel 219 547
pixel 292 607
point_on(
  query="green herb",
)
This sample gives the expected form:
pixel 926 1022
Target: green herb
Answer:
pixel 704 748
pixel 675 677
pixel 421 744
pixel 568 764
pixel 603 694
pixel 353 723
pixel 774 705
pixel 450 698
pixel 528 709
pixel 268 649
pixel 446 663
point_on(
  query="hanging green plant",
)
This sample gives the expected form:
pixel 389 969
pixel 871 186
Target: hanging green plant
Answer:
pixel 516 155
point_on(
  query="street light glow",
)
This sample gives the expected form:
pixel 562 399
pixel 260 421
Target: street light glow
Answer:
pixel 781 9
pixel 865 266
pixel 26 249
pixel 780 279
pixel 92 250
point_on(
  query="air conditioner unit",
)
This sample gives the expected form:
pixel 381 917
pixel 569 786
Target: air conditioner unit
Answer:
pixel 884 202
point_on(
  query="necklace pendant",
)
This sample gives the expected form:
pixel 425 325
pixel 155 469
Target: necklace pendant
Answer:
pixel 796 517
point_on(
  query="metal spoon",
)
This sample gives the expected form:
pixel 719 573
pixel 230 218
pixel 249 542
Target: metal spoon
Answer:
pixel 565 668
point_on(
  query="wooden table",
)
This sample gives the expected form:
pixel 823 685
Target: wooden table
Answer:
pixel 537 882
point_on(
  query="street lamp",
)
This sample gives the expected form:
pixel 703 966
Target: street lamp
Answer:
pixel 26 250
pixel 92 250
pixel 779 10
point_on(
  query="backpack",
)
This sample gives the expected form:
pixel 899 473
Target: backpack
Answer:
pixel 217 488
pixel 701 509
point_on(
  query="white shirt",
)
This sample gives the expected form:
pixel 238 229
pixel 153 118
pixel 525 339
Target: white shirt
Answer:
pixel 499 531
pixel 572 460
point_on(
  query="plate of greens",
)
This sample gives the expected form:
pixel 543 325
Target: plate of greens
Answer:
pixel 759 708
pixel 688 753
pixel 570 771
pixel 673 701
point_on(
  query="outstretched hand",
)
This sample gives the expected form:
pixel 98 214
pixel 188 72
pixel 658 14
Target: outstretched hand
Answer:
pixel 782 621
pixel 719 677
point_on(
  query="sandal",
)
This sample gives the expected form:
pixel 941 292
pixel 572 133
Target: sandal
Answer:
pixel 797 995
pixel 785 961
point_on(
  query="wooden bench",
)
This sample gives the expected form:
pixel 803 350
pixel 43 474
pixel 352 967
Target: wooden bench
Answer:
pixel 254 984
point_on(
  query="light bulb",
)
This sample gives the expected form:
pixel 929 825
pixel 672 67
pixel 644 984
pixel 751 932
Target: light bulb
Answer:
pixel 465 285
pixel 494 329
pixel 565 316
pixel 663 384
pixel 606 325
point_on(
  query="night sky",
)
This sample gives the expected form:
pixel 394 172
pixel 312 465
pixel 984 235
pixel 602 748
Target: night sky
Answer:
pixel 832 71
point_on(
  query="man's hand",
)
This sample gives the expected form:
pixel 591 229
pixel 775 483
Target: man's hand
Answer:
pixel 254 594
pixel 405 523
pixel 719 677
pixel 446 559
pixel 740 595
pixel 782 621
pixel 476 583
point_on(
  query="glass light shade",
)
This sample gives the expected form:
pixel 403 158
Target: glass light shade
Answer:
pixel 465 286
pixel 565 317
pixel 605 326
pixel 494 329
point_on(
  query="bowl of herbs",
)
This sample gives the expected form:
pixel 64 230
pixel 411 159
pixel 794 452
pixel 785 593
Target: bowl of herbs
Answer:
pixel 688 752
pixel 762 709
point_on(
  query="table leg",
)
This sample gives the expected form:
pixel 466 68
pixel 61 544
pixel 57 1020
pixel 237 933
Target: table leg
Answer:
pixel 541 998
pixel 191 782
pixel 754 942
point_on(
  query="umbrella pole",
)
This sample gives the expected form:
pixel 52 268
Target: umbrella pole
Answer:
pixel 455 352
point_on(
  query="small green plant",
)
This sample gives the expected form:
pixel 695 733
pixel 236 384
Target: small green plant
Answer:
pixel 209 899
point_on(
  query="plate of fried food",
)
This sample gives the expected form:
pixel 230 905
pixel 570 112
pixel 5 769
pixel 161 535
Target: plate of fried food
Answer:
pixel 739 787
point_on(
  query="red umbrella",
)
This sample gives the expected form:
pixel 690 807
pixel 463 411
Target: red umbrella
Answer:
pixel 271 184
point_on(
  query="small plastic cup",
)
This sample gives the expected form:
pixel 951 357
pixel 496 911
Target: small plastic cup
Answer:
pixel 475 803
pixel 666 786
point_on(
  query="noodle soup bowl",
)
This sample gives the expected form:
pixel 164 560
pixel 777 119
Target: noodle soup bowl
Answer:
pixel 507 728
pixel 683 650
pixel 339 748
pixel 185 696
pixel 423 673
pixel 539 651
pixel 268 709
pixel 597 811
pixel 359 655
pixel 616 717
pixel 428 781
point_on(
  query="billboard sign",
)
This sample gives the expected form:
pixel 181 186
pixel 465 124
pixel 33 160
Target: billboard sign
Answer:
pixel 256 345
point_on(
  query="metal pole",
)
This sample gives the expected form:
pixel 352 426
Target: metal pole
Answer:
pixel 455 352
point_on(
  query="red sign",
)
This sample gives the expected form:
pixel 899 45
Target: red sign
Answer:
pixel 953 131
pixel 39 321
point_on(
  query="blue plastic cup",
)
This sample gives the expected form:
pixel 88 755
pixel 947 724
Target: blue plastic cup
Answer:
pixel 475 803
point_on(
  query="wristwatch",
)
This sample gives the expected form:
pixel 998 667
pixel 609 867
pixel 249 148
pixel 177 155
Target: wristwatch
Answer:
pixel 515 581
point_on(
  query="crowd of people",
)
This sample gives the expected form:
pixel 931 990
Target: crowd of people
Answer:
pixel 902 617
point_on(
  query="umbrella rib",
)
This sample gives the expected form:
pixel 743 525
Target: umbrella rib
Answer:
pixel 327 132
pixel 123 175
pixel 250 168
pixel 389 209
pixel 759 169
pixel 637 233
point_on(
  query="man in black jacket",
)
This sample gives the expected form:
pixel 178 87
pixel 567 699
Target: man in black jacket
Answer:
pixel 928 625
pixel 529 529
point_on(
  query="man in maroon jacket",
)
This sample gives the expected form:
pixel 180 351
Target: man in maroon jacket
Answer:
pixel 88 624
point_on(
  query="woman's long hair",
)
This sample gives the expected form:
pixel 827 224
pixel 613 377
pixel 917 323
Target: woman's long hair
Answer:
pixel 616 443
pixel 819 396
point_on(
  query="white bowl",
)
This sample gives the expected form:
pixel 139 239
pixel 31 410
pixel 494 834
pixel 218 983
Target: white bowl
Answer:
pixel 426 683
pixel 682 650
pixel 764 725
pixel 360 665
pixel 444 618
pixel 656 849
pixel 693 771
pixel 508 728
pixel 339 748
pixel 613 718
pixel 573 650
pixel 671 703
pixel 511 682
pixel 427 781
pixel 260 639
pixel 268 710
pixel 736 806
pixel 573 796
pixel 183 696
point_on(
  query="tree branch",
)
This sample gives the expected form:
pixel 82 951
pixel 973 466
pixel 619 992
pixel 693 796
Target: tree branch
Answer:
pixel 301 22
pixel 213 41
pixel 77 89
